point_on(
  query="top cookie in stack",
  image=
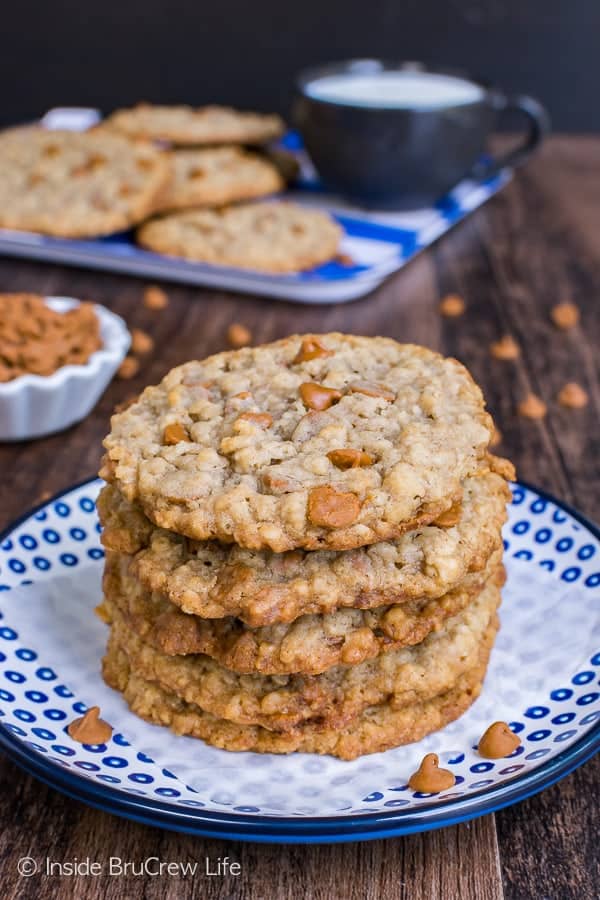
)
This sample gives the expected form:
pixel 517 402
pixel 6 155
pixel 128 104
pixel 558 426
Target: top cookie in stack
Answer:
pixel 304 546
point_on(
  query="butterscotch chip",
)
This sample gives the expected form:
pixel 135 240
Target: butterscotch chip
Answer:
pixel 426 441
pixel 186 125
pixel 317 396
pixel 344 259
pixel 496 437
pixel 565 315
pixel 77 184
pixel 238 335
pixel 450 517
pixel 573 396
pixel 452 305
pixel 265 420
pixel 311 348
pixel 333 698
pixel 429 778
pixel 370 389
pixel 331 508
pixel 37 340
pixel 214 580
pixel 347 458
pixel 155 298
pixel 90 728
pixel 376 729
pixel 141 342
pixel 505 348
pixel 532 407
pixel 128 368
pixel 498 741
pixel 175 433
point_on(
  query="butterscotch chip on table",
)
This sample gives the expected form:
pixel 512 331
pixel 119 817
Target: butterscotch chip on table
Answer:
pixel 155 298
pixel 218 176
pixel 186 125
pixel 573 396
pixel 274 237
pixel 310 645
pixel 565 315
pixel 141 342
pixel 452 306
pixel 376 729
pixel 505 348
pixel 72 184
pixel 268 488
pixel 532 407
pixel 128 368
pixel 238 335
pixel 261 588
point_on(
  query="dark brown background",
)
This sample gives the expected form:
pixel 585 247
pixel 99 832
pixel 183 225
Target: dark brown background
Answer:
pixel 537 243
pixel 67 52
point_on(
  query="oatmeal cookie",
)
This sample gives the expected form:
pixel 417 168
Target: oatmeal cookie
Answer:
pixel 310 645
pixel 332 699
pixel 72 184
pixel 273 237
pixel 332 442
pixel 216 176
pixel 260 588
pixel 186 125
pixel 376 729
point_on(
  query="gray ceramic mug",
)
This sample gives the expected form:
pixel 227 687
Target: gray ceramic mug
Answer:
pixel 389 156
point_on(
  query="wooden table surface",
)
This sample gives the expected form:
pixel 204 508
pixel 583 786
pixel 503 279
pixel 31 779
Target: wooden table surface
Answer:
pixel 534 245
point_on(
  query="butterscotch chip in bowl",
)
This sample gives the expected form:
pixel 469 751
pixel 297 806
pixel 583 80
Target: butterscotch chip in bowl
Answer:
pixel 505 348
pixel 426 434
pixel 532 407
pixel 573 396
pixel 57 356
pixel 452 306
pixel 565 315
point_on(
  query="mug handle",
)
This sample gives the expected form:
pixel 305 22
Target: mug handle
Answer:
pixel 538 126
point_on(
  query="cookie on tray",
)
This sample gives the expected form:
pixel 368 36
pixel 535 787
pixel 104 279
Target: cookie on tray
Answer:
pixel 332 699
pixel 259 587
pixel 216 176
pixel 332 441
pixel 309 645
pixel 274 237
pixel 71 184
pixel 186 125
pixel 376 729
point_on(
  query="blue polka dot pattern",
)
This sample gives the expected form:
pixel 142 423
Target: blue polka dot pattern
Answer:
pixel 37 703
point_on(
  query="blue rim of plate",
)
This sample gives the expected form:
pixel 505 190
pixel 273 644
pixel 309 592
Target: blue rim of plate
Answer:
pixel 310 830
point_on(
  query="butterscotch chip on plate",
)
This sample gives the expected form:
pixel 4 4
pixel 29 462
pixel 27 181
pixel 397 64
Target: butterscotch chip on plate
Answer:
pixel 72 184
pixel 218 176
pixel 276 487
pixel 268 237
pixel 261 588
pixel 310 644
pixel 333 698
pixel 376 729
pixel 186 125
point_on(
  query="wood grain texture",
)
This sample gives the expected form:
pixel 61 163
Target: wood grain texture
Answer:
pixel 533 246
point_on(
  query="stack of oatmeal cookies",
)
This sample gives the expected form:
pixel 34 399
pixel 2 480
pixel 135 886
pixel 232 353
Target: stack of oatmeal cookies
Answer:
pixel 304 546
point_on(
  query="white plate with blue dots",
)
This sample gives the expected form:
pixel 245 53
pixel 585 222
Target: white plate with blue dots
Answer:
pixel 544 679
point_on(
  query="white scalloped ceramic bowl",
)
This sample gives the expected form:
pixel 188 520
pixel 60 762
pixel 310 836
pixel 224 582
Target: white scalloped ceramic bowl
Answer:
pixel 34 406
